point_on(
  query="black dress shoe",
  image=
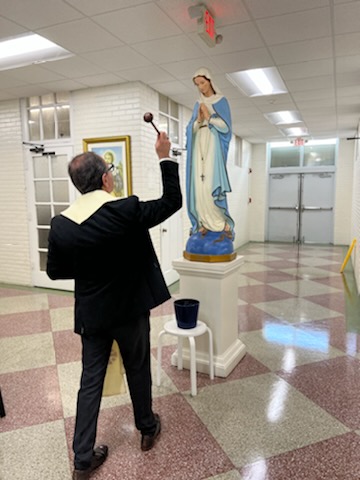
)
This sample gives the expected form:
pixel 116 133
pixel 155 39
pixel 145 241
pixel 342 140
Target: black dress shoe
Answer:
pixel 99 456
pixel 148 441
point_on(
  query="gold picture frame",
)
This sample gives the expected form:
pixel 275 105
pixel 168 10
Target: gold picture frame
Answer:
pixel 114 150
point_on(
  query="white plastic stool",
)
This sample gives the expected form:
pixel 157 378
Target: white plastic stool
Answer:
pixel 171 328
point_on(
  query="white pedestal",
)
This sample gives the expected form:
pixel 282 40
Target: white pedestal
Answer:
pixel 215 286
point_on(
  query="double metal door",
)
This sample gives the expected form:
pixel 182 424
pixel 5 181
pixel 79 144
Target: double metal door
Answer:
pixel 301 208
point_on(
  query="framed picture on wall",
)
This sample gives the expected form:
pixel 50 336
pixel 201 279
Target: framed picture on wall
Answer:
pixel 116 151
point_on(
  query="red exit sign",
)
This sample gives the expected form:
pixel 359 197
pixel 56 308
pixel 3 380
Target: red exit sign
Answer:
pixel 209 24
pixel 299 142
pixel 206 28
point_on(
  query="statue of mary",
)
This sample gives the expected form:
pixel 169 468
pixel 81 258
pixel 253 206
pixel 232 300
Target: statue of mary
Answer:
pixel 208 136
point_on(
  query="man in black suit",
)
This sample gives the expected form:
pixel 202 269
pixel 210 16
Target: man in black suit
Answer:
pixel 104 244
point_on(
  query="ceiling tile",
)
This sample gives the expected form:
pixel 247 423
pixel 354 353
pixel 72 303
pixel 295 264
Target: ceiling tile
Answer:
pixel 128 24
pixel 94 7
pixel 316 49
pixel 102 79
pixel 34 74
pixel 10 29
pixel 238 38
pixel 73 67
pixel 38 13
pixel 81 36
pixel 348 64
pixel 264 8
pixel 161 51
pixel 346 17
pixel 312 68
pixel 324 81
pixel 295 27
pixel 185 69
pixel 121 58
pixel 233 62
pixel 347 44
pixel 147 74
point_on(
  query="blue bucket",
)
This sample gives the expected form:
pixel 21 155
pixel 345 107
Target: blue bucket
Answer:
pixel 186 312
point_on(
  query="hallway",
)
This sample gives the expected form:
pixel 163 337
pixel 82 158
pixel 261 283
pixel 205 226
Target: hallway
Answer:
pixel 290 410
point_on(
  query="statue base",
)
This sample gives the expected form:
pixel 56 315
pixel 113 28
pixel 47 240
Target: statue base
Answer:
pixel 215 285
pixel 210 247
pixel 194 257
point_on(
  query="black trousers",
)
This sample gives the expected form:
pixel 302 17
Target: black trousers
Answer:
pixel 134 343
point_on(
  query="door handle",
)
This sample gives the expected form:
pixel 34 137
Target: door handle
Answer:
pixel 164 230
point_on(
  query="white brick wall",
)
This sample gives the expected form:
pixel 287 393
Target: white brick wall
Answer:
pixel 14 235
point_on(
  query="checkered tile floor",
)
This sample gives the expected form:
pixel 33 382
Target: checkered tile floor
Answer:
pixel 290 409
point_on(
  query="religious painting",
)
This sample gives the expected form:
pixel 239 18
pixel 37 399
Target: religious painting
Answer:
pixel 116 151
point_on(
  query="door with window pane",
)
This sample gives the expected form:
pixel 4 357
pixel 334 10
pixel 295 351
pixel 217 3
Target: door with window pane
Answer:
pixel 301 207
pixel 51 193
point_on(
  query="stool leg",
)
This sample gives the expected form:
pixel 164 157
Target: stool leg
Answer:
pixel 180 356
pixel 193 366
pixel 211 355
pixel 159 357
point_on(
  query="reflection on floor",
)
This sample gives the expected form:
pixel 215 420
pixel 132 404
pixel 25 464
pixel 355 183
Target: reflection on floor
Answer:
pixel 289 410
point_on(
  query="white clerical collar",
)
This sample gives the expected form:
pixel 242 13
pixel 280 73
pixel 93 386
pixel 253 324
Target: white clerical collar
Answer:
pixel 86 205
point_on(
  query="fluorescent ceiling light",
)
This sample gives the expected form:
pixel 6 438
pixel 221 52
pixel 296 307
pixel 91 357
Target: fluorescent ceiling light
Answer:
pixel 284 117
pixel 295 132
pixel 258 81
pixel 29 49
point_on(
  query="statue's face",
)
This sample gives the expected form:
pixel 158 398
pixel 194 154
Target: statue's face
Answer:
pixel 204 85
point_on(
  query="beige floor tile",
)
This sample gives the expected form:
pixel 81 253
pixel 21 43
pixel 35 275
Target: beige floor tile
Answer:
pixel 244 281
pixel 35 453
pixel 157 324
pixel 26 303
pixel 284 347
pixel 296 309
pixel 262 416
pixel 25 352
pixel 309 272
pixel 253 267
pixel 304 288
pixel 62 319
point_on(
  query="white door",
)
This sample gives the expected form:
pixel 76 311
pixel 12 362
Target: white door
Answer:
pixel 283 217
pixel 317 205
pixel 301 208
pixel 171 238
pixel 50 191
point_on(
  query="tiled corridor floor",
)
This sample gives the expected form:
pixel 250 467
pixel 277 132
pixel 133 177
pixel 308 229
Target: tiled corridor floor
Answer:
pixel 290 410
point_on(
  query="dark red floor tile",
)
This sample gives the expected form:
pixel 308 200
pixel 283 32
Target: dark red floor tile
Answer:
pixel 25 323
pixel 31 397
pixel 262 293
pixel 332 301
pixel 335 459
pixel 67 345
pixel 252 318
pixel 271 276
pixel 332 384
pixel 247 367
pixel 185 449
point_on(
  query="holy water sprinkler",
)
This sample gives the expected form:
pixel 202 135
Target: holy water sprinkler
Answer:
pixel 148 118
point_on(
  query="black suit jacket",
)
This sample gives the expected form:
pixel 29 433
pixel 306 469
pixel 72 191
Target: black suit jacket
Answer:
pixel 111 257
